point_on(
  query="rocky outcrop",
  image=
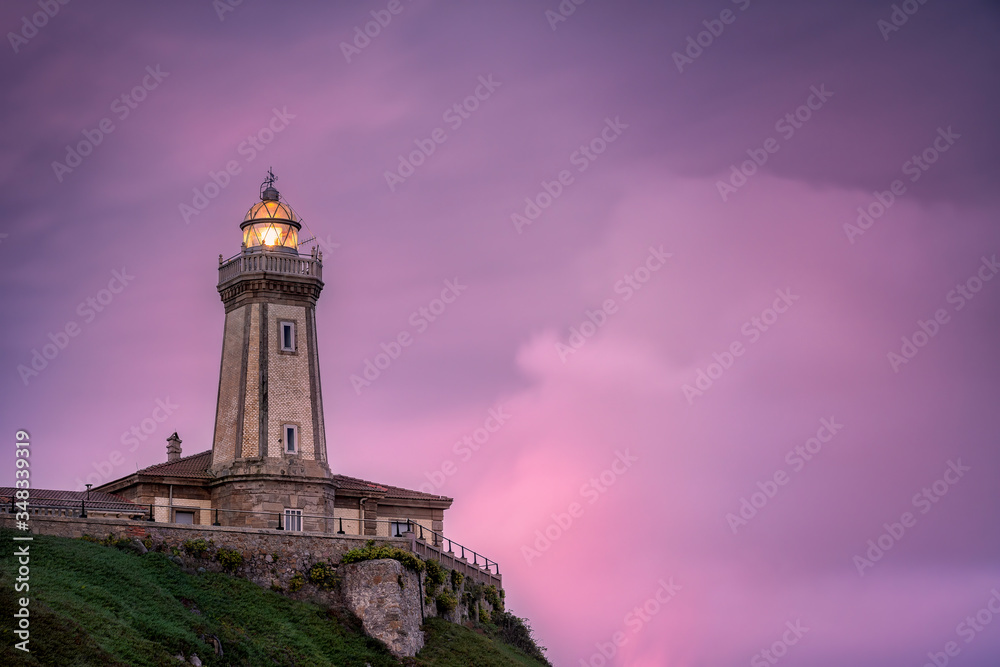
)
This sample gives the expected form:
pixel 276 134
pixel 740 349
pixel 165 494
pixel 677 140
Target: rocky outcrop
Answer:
pixel 386 597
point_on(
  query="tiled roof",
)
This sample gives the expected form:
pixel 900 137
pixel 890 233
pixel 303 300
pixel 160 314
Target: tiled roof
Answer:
pixel 54 498
pixel 195 466
pixel 355 484
pixel 398 492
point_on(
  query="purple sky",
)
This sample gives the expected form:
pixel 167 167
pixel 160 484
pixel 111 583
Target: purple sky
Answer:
pixel 851 294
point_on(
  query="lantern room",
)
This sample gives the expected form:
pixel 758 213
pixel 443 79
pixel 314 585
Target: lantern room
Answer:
pixel 271 224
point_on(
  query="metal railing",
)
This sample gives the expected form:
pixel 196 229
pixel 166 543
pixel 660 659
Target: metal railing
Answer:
pixel 72 509
pixel 421 547
pixel 270 262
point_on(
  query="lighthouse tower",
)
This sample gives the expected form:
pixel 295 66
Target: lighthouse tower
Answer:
pixel 269 447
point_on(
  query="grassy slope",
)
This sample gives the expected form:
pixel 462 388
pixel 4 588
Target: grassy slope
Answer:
pixel 451 645
pixel 94 605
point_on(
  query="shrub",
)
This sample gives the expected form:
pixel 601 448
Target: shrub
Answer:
pixel 494 598
pixel 110 541
pixel 473 593
pixel 456 580
pixel 296 582
pixel 372 552
pixel 446 602
pixel 435 576
pixel 484 616
pixel 196 547
pixel 516 632
pixel 229 559
pixel 324 575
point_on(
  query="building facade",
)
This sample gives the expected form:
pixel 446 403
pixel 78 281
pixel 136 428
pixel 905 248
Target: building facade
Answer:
pixel 268 464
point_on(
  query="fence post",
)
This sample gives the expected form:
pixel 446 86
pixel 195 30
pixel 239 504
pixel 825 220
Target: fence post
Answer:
pixel 151 517
pixel 341 531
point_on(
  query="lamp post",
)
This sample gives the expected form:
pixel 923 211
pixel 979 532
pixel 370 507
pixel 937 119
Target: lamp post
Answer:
pixel 83 504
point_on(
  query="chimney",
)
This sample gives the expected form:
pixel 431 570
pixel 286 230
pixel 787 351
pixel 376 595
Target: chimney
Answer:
pixel 173 448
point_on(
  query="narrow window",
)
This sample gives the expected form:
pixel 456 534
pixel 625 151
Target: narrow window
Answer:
pixel 293 520
pixel 287 330
pixel 291 438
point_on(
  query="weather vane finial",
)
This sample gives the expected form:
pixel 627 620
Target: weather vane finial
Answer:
pixel 267 189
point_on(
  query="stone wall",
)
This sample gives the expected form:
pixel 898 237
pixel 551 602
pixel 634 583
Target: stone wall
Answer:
pixel 270 557
pixel 257 501
pixel 390 601
pixel 386 597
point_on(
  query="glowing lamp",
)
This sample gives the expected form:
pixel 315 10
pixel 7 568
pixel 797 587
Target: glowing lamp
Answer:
pixel 271 224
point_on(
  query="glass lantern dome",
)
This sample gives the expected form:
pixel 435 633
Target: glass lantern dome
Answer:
pixel 271 224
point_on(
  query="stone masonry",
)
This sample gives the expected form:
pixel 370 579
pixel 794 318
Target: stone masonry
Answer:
pixel 386 597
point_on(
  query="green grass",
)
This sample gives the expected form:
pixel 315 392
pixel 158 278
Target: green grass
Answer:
pixel 96 605
pixel 452 645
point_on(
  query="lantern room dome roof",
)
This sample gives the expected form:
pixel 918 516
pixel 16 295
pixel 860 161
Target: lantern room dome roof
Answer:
pixel 271 209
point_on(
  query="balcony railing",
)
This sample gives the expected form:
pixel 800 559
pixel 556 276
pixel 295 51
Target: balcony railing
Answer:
pixel 270 262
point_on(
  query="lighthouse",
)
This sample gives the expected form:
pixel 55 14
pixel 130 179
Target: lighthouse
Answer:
pixel 269 445
pixel 267 466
